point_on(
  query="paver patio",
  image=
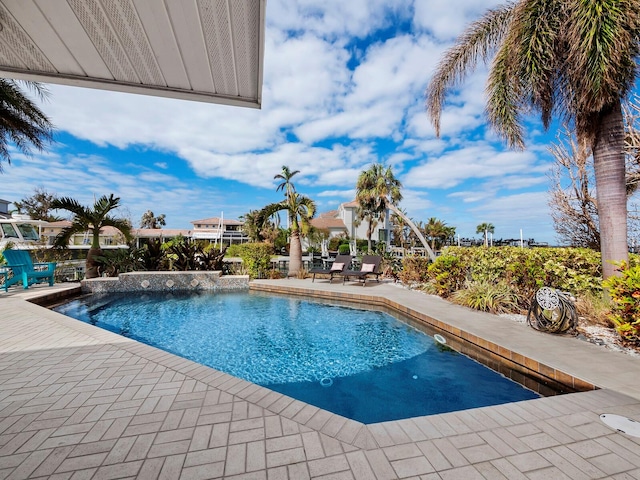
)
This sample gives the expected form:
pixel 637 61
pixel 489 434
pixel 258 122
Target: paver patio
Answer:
pixel 80 402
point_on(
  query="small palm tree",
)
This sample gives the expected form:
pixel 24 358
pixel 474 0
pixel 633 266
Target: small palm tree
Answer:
pixel 378 190
pixel 21 121
pixel 436 230
pixel 486 229
pixel 92 220
pixel 574 59
pixel 286 185
pixel 300 211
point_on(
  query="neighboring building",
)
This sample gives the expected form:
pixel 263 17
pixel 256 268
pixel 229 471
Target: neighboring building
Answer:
pixel 343 221
pixel 4 208
pixel 226 231
pixel 109 236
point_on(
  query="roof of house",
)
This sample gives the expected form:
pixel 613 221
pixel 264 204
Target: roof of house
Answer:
pixel 216 221
pixel 328 223
pixel 159 232
pixel 204 51
pixel 352 203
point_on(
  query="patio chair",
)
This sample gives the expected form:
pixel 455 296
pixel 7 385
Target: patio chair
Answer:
pixel 339 265
pixel 370 268
pixel 25 271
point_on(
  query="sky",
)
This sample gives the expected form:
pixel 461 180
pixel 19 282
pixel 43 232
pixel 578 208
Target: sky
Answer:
pixel 344 87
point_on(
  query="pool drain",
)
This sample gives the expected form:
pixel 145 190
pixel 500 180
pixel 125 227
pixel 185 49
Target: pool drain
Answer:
pixel 326 382
pixel 440 339
pixel 621 424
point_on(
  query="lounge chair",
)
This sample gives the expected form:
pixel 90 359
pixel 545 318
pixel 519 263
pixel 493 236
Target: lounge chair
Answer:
pixel 340 264
pixel 370 267
pixel 25 271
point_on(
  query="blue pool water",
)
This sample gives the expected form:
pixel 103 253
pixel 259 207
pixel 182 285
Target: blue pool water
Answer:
pixel 364 365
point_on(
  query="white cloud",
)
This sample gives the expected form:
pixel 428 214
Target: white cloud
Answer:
pixel 475 161
pixel 447 20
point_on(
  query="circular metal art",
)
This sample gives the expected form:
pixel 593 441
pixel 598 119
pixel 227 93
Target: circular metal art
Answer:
pixel 548 298
pixel 552 311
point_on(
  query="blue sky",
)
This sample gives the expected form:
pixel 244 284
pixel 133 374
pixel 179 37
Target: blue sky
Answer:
pixel 343 87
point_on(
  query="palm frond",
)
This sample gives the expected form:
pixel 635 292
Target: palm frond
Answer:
pixel 477 42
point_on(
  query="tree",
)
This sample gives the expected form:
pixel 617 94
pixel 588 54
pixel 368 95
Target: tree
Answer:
pixel 377 190
pixel 568 57
pixel 300 210
pixel 149 220
pixel 486 229
pixel 286 185
pixel 22 123
pixel 437 231
pixel 38 205
pixel 86 219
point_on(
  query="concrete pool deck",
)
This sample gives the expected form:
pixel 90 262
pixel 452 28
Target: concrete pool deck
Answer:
pixel 80 402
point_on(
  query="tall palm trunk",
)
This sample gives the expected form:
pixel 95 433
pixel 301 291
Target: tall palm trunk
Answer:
pixel 609 166
pixel 295 254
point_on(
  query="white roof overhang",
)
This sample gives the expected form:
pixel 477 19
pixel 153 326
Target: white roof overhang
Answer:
pixel 203 50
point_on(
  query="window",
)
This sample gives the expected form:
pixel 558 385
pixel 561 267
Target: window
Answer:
pixel 28 232
pixel 8 231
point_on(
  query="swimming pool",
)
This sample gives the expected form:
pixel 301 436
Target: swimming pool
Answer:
pixel 362 364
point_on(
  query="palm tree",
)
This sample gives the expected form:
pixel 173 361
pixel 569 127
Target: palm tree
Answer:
pixel 21 121
pixel 149 220
pixel 486 229
pixel 286 185
pixel 300 210
pixel 574 58
pixel 377 190
pixel 92 220
pixel 436 230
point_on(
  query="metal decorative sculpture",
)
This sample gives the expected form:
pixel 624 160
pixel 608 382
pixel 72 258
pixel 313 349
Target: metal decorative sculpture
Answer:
pixel 552 311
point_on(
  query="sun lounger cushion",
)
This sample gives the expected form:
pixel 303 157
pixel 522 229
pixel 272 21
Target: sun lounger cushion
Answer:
pixel 337 267
pixel 367 267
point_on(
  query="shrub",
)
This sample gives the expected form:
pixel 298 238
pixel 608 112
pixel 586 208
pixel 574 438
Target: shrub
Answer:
pixel 487 296
pixel 447 274
pixel 625 295
pixel 256 258
pixel 344 249
pixel 414 270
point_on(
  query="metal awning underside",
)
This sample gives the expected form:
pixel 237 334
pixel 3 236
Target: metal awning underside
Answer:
pixel 204 50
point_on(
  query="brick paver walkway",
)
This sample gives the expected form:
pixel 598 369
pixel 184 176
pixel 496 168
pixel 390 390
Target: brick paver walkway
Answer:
pixel 77 402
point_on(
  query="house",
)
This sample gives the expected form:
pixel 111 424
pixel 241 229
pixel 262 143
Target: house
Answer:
pixel 110 237
pixel 215 229
pixel 344 221
pixel 4 208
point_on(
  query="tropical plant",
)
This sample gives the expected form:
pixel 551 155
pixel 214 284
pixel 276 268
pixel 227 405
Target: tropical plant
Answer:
pixel 436 231
pixel 256 259
pixel 90 219
pixel 286 186
pixel 300 210
pixel 22 123
pixel 149 220
pixel 485 229
pixel 574 58
pixel 625 295
pixel 377 190
pixel 487 296
pixel 447 274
